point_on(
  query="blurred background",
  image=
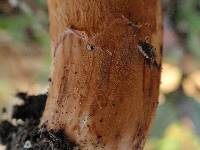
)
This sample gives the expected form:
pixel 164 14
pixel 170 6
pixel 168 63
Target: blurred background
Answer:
pixel 25 65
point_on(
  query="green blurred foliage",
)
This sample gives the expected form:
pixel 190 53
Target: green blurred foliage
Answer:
pixel 176 137
pixel 24 38
pixel 177 123
pixel 185 16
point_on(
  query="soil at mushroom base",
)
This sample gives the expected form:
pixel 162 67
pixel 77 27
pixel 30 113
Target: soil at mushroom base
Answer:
pixel 29 135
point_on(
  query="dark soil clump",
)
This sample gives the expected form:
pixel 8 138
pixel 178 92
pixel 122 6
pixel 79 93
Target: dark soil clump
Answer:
pixel 6 130
pixel 29 135
pixel 32 108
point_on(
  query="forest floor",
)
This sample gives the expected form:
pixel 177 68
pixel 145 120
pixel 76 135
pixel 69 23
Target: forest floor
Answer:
pixel 30 135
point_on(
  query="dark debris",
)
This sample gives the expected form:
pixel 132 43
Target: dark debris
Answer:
pixel 31 136
pixel 31 109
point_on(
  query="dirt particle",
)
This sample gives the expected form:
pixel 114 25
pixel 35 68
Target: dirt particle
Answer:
pixel 113 104
pixel 148 52
pixel 90 47
pixel 99 137
pixel 49 79
pixel 4 110
pixel 27 145
pixel 118 136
